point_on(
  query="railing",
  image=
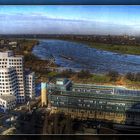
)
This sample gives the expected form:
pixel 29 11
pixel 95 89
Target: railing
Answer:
pixel 77 85
pixel 96 95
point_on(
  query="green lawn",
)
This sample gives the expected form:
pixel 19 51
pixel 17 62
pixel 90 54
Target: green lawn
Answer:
pixel 99 78
pixel 52 74
pixel 125 49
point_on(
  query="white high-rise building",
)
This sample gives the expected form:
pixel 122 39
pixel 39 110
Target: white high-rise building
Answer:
pixel 12 75
pixel 30 85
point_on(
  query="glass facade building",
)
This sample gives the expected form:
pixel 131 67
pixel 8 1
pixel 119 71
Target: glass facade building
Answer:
pixel 107 103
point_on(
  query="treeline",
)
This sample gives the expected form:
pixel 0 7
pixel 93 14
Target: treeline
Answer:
pixel 112 75
pixel 85 74
pixel 133 76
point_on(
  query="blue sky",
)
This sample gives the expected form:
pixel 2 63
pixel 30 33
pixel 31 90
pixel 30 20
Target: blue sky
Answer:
pixel 70 19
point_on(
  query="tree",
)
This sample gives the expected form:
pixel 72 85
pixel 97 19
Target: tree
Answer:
pixel 137 76
pixel 67 73
pixel 130 76
pixel 113 75
pixel 83 74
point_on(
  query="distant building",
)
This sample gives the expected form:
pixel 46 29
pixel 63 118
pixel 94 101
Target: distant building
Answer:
pixel 13 44
pixel 7 102
pixel 2 42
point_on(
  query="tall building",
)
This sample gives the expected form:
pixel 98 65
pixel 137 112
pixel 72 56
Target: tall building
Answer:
pixel 12 75
pixel 29 85
pixel 43 94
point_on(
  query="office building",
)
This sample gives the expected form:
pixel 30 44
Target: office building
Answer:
pixel 9 60
pixel 96 102
pixel 13 79
pixel 29 85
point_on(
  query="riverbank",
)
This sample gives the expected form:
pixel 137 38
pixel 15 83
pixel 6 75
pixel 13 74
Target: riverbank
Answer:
pixel 31 61
pixel 100 62
pixel 100 79
pixel 122 49
pixel 37 65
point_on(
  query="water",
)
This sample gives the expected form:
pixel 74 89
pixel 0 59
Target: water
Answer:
pixel 84 57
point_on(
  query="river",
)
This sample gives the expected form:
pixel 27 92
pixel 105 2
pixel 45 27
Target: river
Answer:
pixel 81 56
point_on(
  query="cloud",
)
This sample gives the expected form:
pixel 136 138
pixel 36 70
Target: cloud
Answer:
pixel 39 23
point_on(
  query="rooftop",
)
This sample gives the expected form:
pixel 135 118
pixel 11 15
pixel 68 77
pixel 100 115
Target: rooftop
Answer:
pixel 99 90
pixel 8 53
pixel 61 81
pixel 28 72
pixel 77 85
pixel 102 95
pixel 7 97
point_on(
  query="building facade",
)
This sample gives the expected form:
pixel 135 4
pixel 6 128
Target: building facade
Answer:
pixel 95 102
pixel 14 80
pixel 9 60
pixel 8 81
pixel 43 94
pixel 30 85
pixel 7 102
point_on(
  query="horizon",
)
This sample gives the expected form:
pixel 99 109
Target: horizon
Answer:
pixel 79 20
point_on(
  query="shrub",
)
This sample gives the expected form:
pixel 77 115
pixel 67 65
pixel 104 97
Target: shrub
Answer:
pixel 130 76
pixel 113 75
pixel 84 74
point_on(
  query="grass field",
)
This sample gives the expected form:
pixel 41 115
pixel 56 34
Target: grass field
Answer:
pixel 125 49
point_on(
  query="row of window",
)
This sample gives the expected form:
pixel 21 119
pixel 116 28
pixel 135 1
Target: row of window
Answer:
pixel 11 60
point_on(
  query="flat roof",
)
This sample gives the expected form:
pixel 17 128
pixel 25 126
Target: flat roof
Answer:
pixel 92 95
pixel 96 86
pixel 7 97
pixel 28 72
pixel 61 79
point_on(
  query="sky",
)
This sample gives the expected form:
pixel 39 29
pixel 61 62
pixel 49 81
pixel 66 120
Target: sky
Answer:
pixel 60 19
